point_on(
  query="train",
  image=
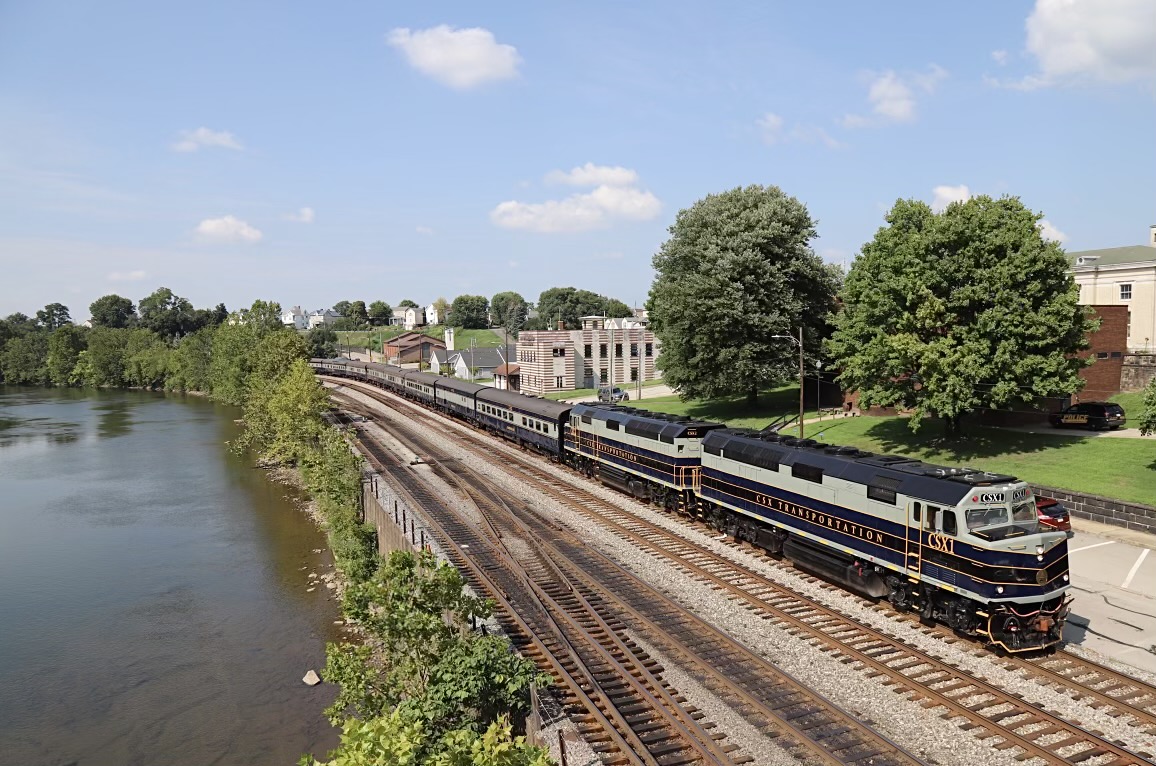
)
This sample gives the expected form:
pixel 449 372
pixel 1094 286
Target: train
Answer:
pixel 959 546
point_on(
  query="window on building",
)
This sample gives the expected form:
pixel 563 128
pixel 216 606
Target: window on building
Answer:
pixel 602 375
pixel 558 382
pixel 634 350
pixel 586 348
pixel 1101 354
pixel 633 374
pixel 602 350
pixel 559 352
pixel 618 350
pixel 650 349
pixel 1126 291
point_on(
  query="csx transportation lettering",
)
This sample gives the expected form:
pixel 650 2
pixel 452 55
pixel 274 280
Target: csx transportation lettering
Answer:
pixel 820 518
pixel 991 497
pixel 942 543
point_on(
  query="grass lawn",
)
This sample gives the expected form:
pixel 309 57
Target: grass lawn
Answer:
pixel 1119 468
pixel 1133 404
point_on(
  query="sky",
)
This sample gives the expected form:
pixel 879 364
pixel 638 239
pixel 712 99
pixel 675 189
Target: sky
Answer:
pixel 309 153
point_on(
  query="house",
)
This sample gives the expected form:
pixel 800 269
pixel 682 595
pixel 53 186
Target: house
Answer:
pixel 321 317
pixel 295 318
pixel 411 348
pixel 432 316
pixel 467 364
pixel 508 377
pixel 612 351
pixel 414 317
pixel 1122 276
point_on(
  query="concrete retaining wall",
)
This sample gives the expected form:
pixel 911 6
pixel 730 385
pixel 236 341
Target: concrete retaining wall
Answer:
pixel 1103 509
pixel 398 527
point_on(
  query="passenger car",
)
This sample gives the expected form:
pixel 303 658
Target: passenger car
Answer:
pixel 612 395
pixel 1093 415
pixel 1053 514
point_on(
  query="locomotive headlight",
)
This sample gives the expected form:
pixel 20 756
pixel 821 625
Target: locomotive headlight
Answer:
pixel 1039 558
pixel 999 589
pixel 1039 549
pixel 1065 578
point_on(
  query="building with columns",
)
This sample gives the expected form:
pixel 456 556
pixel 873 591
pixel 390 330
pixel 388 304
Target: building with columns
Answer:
pixel 1122 276
pixel 619 352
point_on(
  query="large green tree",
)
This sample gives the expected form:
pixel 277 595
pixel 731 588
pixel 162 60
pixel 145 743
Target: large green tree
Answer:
pixel 24 359
pixel 569 305
pixel 379 313
pixel 407 304
pixel 470 312
pixel 168 315
pixel 358 313
pixel 64 347
pixel 112 311
pixel 322 342
pixel 736 274
pixel 509 311
pixel 1147 420
pixel 52 316
pixel 946 313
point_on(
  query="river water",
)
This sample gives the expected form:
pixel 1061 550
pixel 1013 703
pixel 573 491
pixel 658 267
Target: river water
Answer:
pixel 153 602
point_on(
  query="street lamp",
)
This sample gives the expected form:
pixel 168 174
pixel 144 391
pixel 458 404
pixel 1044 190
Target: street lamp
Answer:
pixel 798 341
pixel 818 389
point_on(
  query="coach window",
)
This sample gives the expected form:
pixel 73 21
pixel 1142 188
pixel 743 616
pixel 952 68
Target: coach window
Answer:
pixel 949 525
pixel 523 421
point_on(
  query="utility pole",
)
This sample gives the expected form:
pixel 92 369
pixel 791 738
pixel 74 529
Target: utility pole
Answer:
pixel 801 381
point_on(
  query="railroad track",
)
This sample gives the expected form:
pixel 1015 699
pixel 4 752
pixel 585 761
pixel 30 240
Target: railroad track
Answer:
pixel 992 712
pixel 799 720
pixel 612 689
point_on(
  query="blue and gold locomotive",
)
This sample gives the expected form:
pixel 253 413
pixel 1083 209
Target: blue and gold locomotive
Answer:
pixel 963 547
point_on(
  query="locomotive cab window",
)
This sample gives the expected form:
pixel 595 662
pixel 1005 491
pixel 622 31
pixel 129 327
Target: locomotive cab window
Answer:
pixel 915 507
pixel 949 524
pixel 929 520
pixel 807 472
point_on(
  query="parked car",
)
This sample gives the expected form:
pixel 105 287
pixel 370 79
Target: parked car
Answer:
pixel 1053 514
pixel 613 395
pixel 1093 415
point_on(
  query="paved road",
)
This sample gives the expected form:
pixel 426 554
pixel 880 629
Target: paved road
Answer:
pixel 1114 584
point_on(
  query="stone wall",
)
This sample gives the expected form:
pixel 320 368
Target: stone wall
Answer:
pixel 1138 371
pixel 1103 509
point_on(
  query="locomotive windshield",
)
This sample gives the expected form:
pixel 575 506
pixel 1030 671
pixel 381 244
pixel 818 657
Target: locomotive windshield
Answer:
pixel 994 523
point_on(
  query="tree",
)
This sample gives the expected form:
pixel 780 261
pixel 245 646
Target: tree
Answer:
pixel 52 316
pixel 358 313
pixel 105 357
pixel 322 342
pixel 168 315
pixel 443 308
pixel 192 361
pixel 737 273
pixel 112 311
pixel 1147 420
pixel 616 309
pixel 64 347
pixel 380 313
pixel 264 317
pixel 25 359
pixel 569 305
pixel 946 313
pixel 509 310
pixel 342 308
pixel 470 312
pixel 407 304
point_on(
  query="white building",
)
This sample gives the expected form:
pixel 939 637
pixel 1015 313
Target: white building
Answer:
pixel 605 351
pixel 1122 276
pixel 295 318
pixel 432 316
pixel 324 316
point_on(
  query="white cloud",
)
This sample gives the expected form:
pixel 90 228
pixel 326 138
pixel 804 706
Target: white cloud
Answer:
pixel 459 58
pixel 594 175
pixel 192 140
pixel 945 195
pixel 1049 231
pixel 227 229
pixel 999 57
pixel 893 96
pixel 579 212
pixel 304 215
pixel 773 130
pixel 424 230
pixel 1079 41
pixel 615 197
pixel 127 276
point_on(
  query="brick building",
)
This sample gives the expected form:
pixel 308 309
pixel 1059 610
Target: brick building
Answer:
pixel 1108 345
pixel 620 352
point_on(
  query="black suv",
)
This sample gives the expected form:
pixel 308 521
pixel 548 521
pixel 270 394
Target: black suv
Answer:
pixel 1093 415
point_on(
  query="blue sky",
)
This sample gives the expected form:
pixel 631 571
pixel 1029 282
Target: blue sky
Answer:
pixel 309 153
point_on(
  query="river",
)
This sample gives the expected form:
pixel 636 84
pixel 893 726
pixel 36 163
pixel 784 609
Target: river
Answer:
pixel 153 589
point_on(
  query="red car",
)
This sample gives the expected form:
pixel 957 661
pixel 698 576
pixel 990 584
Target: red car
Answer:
pixel 1053 515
